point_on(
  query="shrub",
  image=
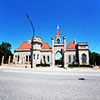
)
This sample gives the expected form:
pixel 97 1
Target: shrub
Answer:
pixel 41 62
pixel 73 65
pixel 44 65
pixel 77 65
pixel 86 66
pixel 38 65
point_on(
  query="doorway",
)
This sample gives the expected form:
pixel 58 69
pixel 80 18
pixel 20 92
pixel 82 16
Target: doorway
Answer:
pixel 59 59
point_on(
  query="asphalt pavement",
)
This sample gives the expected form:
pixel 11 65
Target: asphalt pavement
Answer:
pixel 49 84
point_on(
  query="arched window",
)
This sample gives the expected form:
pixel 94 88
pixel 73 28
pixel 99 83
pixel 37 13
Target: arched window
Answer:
pixel 69 59
pixel 34 56
pixel 48 58
pixel 26 57
pixel 29 57
pixel 74 58
pixel 18 58
pixel 38 56
pixel 83 58
pixel 58 41
pixel 44 59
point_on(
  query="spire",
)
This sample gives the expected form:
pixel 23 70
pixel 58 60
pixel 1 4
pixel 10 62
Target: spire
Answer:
pixel 57 26
pixel 58 32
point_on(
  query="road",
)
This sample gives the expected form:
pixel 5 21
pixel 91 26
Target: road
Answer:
pixel 49 84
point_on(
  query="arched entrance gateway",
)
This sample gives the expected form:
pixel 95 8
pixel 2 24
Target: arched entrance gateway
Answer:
pixel 59 59
pixel 59 47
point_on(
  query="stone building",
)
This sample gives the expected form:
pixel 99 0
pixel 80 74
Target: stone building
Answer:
pixel 42 52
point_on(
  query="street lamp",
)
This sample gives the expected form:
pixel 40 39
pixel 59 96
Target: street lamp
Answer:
pixel 32 40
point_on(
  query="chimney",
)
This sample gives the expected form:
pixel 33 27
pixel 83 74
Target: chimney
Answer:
pixel 29 41
pixel 74 41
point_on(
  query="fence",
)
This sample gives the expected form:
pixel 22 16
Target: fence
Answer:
pixel 6 60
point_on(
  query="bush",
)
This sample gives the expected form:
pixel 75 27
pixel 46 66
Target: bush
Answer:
pixel 77 65
pixel 73 65
pixel 41 62
pixel 37 65
pixel 44 65
pixel 86 66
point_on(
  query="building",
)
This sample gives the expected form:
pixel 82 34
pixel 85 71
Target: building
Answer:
pixel 42 52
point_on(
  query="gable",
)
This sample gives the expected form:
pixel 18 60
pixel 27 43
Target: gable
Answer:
pixel 71 45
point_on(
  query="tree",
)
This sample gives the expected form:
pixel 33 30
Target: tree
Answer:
pixel 5 50
pixel 94 57
pixel 59 61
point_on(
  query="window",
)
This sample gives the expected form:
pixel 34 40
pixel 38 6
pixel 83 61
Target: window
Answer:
pixel 34 56
pixel 38 56
pixel 69 59
pixel 74 58
pixel 30 58
pixel 18 58
pixel 43 58
pixel 83 58
pixel 48 58
pixel 58 41
pixel 26 58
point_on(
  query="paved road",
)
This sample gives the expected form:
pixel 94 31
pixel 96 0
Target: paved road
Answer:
pixel 49 84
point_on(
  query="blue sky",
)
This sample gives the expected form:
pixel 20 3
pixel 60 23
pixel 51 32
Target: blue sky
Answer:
pixel 78 19
pixel 58 56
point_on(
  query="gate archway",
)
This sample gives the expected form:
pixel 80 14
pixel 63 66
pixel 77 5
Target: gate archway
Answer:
pixel 58 57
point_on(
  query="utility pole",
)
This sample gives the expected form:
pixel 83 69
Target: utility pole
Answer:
pixel 32 40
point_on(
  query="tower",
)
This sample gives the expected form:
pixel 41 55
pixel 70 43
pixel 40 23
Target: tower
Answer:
pixel 36 51
pixel 58 38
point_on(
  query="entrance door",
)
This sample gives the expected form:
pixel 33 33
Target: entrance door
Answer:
pixel 58 59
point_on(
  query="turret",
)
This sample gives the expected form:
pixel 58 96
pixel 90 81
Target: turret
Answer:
pixel 37 42
pixel 58 38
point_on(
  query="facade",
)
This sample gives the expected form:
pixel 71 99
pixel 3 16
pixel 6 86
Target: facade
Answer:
pixel 42 52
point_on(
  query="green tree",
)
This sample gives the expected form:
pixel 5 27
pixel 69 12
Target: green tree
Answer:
pixel 5 50
pixel 59 61
pixel 94 57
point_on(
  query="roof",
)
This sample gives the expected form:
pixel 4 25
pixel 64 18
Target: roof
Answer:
pixel 26 45
pixel 58 32
pixel 82 43
pixel 71 45
pixel 45 46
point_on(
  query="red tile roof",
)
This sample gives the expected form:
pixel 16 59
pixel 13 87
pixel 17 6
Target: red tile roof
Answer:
pixel 26 45
pixel 71 45
pixel 45 46
pixel 58 32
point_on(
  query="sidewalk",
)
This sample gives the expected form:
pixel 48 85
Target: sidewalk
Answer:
pixel 48 68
